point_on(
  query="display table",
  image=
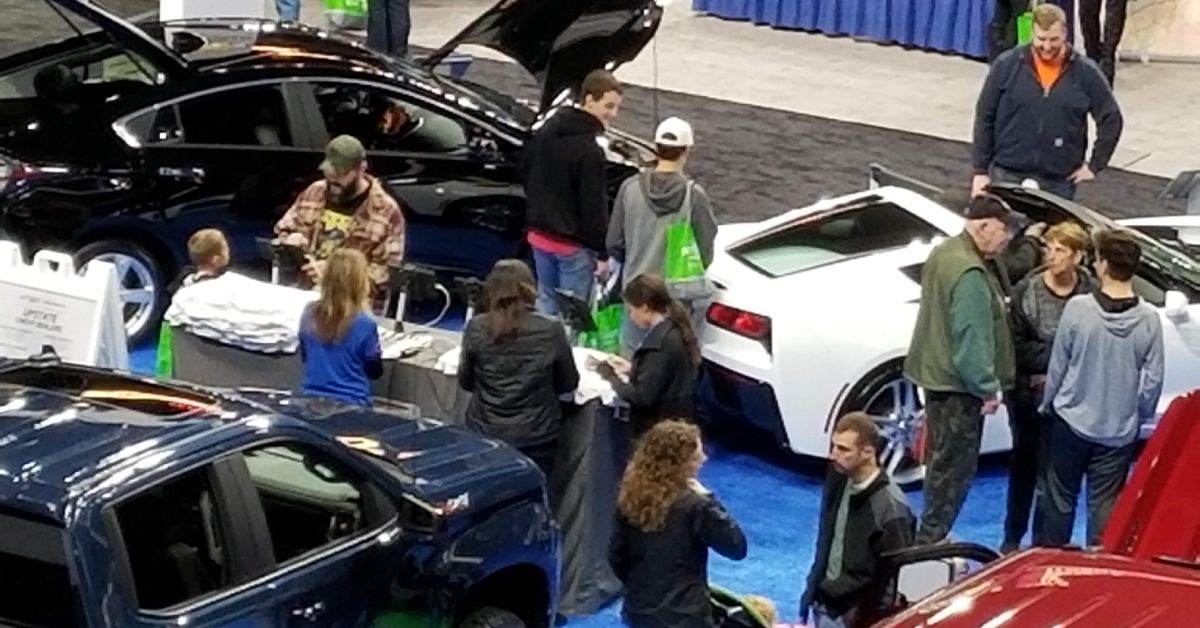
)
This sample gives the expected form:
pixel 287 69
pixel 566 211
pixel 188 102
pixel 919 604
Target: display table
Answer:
pixel 592 449
pixel 958 26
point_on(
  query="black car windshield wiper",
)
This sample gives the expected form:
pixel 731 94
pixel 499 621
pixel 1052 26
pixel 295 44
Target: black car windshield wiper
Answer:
pixel 132 59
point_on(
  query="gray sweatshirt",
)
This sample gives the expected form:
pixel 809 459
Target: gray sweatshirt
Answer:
pixel 645 206
pixel 1106 368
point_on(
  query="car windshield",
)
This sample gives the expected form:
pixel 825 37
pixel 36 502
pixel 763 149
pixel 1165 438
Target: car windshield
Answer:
pixel 35 583
pixel 861 228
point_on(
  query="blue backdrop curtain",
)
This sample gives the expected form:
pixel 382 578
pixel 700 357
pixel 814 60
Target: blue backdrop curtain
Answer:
pixel 958 26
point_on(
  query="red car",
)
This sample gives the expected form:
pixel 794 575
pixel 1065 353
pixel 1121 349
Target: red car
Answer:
pixel 1146 571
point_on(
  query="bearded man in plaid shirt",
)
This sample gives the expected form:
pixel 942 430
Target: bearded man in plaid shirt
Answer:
pixel 347 208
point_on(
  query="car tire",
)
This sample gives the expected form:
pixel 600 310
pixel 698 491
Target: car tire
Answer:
pixel 492 617
pixel 898 407
pixel 140 284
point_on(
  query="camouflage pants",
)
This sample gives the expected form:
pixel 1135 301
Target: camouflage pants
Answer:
pixel 954 430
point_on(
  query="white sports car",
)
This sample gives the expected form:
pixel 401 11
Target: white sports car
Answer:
pixel 814 310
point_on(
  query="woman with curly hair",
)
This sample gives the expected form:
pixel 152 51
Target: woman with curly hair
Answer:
pixel 666 523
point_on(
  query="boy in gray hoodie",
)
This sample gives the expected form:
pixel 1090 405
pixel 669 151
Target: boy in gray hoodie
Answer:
pixel 1104 380
pixel 647 204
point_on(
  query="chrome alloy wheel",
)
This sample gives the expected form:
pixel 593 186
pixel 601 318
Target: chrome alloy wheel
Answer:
pixel 136 289
pixel 898 408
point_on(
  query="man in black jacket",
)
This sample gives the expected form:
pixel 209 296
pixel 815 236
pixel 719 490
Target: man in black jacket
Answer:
pixel 1101 45
pixel 863 517
pixel 1034 310
pixel 566 192
pixel 1031 121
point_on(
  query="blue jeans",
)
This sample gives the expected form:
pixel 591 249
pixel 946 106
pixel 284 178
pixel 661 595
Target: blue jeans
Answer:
pixel 288 10
pixel 388 25
pixel 1070 458
pixel 1062 188
pixel 575 272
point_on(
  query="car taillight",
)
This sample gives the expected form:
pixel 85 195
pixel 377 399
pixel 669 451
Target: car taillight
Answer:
pixel 740 322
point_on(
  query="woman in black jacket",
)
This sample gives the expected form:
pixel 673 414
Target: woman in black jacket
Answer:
pixel 662 377
pixel 1035 308
pixel 517 364
pixel 666 522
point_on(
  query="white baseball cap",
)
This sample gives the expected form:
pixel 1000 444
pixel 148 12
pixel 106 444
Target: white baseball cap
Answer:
pixel 674 132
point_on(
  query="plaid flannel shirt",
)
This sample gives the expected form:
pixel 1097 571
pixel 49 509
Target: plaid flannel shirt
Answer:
pixel 376 229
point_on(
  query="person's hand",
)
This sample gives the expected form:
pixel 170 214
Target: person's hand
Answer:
pixel 620 364
pixel 606 371
pixel 1038 381
pixel 295 239
pixel 314 270
pixel 1036 230
pixel 991 404
pixel 1083 174
pixel 978 183
pixel 601 268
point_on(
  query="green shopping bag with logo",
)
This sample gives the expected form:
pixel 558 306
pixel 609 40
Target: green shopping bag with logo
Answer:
pixel 346 14
pixel 683 267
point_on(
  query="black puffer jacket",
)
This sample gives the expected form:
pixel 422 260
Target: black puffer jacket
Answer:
pixel 666 572
pixel 516 384
pixel 566 181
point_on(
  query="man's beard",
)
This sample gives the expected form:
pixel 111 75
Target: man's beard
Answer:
pixel 1050 55
pixel 344 194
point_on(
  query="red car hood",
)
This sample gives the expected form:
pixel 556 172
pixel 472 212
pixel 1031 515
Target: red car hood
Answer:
pixel 1060 588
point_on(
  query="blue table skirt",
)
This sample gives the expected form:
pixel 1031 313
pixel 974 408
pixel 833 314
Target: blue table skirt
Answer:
pixel 958 26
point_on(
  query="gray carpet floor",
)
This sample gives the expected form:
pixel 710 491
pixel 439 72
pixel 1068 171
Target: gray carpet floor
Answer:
pixel 755 162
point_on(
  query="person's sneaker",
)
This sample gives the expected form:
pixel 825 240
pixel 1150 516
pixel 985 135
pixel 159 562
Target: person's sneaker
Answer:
pixel 1007 548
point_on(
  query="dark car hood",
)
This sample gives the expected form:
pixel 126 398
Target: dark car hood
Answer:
pixel 560 41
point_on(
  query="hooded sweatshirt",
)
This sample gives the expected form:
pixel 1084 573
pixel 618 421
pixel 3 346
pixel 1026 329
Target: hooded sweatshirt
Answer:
pixel 645 206
pixel 566 185
pixel 1106 368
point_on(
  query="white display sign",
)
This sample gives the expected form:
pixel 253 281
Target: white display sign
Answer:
pixel 183 9
pixel 47 304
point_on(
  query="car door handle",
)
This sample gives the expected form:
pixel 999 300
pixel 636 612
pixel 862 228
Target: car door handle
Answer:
pixel 183 173
pixel 309 613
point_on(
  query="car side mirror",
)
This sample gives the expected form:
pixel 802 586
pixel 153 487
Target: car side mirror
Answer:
pixel 1176 306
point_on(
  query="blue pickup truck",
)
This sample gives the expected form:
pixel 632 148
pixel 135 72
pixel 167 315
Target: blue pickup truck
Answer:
pixel 130 502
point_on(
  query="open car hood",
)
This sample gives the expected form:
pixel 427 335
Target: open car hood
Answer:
pixel 131 38
pixel 560 41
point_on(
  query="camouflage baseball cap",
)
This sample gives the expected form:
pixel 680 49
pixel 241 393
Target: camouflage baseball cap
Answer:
pixel 343 154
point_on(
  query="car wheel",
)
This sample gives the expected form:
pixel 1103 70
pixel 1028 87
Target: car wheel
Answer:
pixel 140 284
pixel 492 617
pixel 898 407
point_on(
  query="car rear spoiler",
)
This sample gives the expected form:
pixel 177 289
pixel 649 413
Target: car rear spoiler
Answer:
pixel 882 176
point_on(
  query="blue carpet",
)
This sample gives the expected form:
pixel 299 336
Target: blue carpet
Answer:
pixel 776 500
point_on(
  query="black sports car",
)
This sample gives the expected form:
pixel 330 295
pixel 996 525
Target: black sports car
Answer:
pixel 121 141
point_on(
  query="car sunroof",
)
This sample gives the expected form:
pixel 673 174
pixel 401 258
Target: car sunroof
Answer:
pixel 111 389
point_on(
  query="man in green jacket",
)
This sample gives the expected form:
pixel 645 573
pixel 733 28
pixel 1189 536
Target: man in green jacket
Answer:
pixel 961 353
